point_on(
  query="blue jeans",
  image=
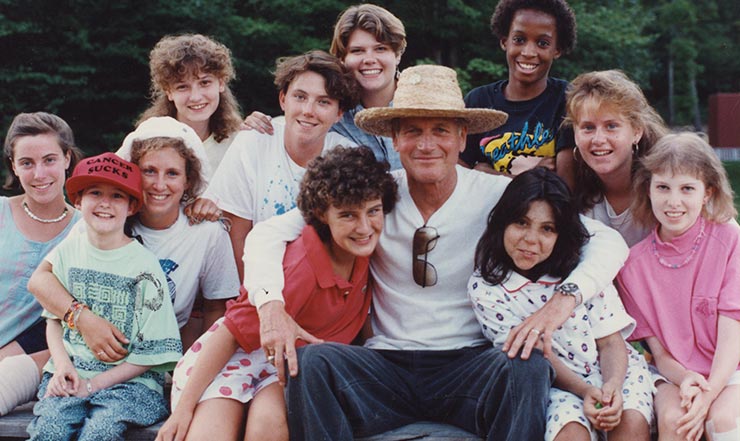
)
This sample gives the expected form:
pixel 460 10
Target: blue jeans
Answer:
pixel 345 391
pixel 104 415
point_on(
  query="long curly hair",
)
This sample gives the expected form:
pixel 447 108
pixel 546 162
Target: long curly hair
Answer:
pixel 179 57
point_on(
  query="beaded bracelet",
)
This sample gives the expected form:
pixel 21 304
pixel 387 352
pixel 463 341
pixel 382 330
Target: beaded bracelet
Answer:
pixel 73 314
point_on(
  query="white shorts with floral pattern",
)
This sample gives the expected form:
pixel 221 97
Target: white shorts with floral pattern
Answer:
pixel 637 394
pixel 243 376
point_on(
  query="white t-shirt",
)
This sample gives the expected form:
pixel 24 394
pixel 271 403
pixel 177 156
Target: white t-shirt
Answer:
pixel 195 259
pixel 215 151
pixel 257 179
pixel 405 315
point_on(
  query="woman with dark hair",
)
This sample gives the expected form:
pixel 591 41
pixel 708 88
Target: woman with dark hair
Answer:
pixel 531 243
pixel 39 152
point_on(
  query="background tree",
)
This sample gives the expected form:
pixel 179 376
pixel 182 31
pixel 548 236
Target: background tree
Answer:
pixel 87 61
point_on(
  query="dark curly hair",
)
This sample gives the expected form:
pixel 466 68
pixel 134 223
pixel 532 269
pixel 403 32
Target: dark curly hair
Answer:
pixel 178 57
pixel 345 176
pixel 565 19
pixel 537 184
pixel 340 84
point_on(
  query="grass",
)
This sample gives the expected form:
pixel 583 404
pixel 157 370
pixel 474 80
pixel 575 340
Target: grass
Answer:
pixel 733 171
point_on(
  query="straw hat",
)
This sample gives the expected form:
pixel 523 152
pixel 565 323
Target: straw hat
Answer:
pixel 428 91
pixel 168 127
pixel 107 168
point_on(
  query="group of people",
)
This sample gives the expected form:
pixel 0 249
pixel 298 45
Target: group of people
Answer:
pixel 386 251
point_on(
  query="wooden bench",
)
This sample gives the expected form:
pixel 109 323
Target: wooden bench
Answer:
pixel 13 428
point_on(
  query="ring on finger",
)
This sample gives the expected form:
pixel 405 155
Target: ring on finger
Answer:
pixel 536 331
pixel 101 353
pixel 270 358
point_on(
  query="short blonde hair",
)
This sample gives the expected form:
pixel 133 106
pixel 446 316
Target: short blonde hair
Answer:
pixel 684 153
pixel 386 28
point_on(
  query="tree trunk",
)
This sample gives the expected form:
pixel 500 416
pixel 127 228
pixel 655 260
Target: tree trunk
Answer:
pixel 695 102
pixel 671 104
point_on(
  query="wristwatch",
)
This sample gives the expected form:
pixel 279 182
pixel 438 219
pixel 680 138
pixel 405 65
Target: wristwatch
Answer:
pixel 570 289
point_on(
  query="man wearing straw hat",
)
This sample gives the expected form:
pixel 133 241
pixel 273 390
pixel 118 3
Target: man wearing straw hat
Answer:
pixel 427 359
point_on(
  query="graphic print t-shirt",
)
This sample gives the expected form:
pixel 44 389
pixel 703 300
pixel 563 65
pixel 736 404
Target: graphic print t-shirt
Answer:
pixel 531 133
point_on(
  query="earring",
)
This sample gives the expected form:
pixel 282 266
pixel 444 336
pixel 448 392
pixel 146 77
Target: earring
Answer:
pixel 635 149
pixel 575 150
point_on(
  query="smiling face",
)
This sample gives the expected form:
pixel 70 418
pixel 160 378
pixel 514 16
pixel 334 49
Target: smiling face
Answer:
pixel 164 181
pixel 40 165
pixel 355 230
pixel 604 138
pixel 309 110
pixel 531 46
pixel 531 239
pixel 677 201
pixel 196 98
pixel 372 63
pixel 104 208
pixel 429 148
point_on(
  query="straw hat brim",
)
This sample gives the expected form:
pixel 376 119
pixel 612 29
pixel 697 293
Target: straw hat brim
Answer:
pixel 378 120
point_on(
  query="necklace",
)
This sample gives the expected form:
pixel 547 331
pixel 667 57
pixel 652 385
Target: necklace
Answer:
pixel 688 258
pixel 41 219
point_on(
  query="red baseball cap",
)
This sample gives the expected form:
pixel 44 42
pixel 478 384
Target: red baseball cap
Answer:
pixel 107 168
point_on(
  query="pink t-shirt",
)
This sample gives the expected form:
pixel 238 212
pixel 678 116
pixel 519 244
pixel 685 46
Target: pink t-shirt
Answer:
pixel 681 306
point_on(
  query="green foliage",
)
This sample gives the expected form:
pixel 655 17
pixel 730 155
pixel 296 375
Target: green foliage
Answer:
pixel 88 60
